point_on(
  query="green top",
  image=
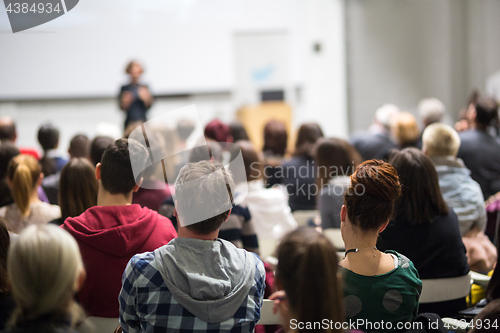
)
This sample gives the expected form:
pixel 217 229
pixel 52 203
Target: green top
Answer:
pixel 391 297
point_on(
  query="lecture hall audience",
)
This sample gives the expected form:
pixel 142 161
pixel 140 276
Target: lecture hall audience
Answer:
pixel 110 233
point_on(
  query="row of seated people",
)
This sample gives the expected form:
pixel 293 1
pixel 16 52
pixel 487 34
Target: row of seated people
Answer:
pixel 199 282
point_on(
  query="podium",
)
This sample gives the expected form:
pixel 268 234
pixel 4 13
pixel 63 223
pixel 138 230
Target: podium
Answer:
pixel 254 118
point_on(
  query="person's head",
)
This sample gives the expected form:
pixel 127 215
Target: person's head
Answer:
pixel 384 115
pixel 115 171
pixel 484 111
pixel 7 129
pixel 371 198
pixel 431 110
pixel 78 187
pixel 24 175
pixel 440 139
pixel 45 270
pixel 275 138
pixel 4 250
pixel 251 159
pixel 218 131
pixel 7 151
pixel 405 129
pixel 79 146
pixel 48 137
pixel 184 129
pixel 307 271
pixel 97 148
pixel 334 157
pixel 211 151
pixel 307 136
pixel 238 132
pixel 134 70
pixel 203 196
pixel 421 197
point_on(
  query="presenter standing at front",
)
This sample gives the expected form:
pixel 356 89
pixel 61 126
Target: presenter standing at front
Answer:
pixel 135 98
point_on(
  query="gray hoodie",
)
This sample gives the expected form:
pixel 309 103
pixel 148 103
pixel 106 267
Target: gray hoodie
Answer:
pixel 210 279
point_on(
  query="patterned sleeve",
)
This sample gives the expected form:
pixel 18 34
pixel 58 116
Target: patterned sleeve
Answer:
pixel 129 320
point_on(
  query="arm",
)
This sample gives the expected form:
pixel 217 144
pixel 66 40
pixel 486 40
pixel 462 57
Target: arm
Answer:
pixel 129 321
pixel 126 98
pixel 145 96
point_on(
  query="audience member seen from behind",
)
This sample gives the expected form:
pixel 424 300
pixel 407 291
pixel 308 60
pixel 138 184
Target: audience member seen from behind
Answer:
pixel 479 150
pixel 110 233
pixel 303 296
pixel 405 130
pixel 135 99
pixel 97 148
pixel 7 152
pixel 431 110
pixel 271 215
pixel 51 161
pixel 45 270
pixel 239 228
pixel 77 189
pixel 377 285
pixel 7 303
pixel 184 128
pixel 441 143
pixel 377 143
pixel 24 176
pixel 238 132
pixel 218 131
pixel 298 174
pixel 206 283
pixel 336 161
pixel 8 132
pixel 274 150
pixel 425 229
pixel 79 146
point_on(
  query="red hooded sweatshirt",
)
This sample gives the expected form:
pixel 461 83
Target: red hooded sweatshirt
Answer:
pixel 108 237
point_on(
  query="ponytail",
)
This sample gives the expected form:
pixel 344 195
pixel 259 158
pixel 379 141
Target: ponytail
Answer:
pixel 23 171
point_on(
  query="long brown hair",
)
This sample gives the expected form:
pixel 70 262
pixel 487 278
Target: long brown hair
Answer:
pixel 77 188
pixel 251 159
pixel 307 269
pixel 307 136
pixel 24 172
pixel 4 249
pixel 334 157
pixel 275 138
pixel 421 198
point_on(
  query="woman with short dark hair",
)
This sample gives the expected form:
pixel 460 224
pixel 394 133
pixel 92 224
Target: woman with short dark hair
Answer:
pixel 425 229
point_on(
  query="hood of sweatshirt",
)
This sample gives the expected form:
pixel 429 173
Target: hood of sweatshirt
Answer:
pixel 210 279
pixel 117 230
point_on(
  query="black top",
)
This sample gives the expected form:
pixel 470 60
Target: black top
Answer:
pixel 7 306
pixel 137 109
pixel 46 324
pixel 373 146
pixel 481 154
pixel 436 249
pixel 298 177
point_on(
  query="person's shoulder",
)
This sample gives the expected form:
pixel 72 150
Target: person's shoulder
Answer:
pixel 405 266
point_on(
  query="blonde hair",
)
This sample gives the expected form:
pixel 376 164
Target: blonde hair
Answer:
pixel 24 172
pixel 44 265
pixel 405 129
pixel 440 140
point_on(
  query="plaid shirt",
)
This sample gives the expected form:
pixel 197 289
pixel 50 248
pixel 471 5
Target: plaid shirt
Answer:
pixel 146 304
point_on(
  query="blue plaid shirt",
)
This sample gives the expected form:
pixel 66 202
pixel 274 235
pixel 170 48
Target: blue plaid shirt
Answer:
pixel 146 304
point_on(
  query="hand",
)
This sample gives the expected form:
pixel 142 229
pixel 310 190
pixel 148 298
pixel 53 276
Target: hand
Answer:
pixel 281 306
pixel 462 125
pixel 127 99
pixel 144 94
